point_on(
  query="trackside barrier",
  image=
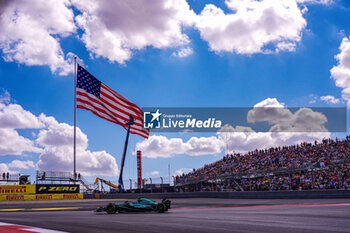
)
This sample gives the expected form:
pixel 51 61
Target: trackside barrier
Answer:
pixel 238 195
pixel 38 197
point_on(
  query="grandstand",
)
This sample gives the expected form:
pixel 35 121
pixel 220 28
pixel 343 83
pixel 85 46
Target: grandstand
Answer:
pixel 306 166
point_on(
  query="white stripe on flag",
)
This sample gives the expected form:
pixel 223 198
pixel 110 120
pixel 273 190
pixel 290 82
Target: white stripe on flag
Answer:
pixel 106 110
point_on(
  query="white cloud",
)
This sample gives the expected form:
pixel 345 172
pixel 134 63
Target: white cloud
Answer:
pixel 88 162
pixel 21 164
pixel 5 97
pixel 329 99
pixel 57 140
pixel 59 134
pixel 285 46
pixel 5 168
pixel 181 171
pixel 29 32
pixel 239 141
pixel 113 29
pixel 341 72
pixel 183 52
pixel 229 129
pixel 11 143
pixel 269 110
pixel 269 103
pixel 324 2
pixel 163 147
pixel 312 98
pixel 283 120
pixel 155 173
pixel 303 120
pixel 13 116
pixel 252 26
pixel 312 101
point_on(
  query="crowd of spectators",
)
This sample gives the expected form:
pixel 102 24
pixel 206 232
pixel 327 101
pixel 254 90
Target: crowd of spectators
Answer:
pixel 305 166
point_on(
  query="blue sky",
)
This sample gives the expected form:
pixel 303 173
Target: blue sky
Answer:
pixel 219 71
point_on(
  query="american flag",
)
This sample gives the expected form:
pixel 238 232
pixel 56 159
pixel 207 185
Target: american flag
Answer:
pixel 101 100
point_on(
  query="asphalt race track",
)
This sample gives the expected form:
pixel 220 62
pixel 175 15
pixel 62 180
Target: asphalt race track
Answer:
pixel 187 215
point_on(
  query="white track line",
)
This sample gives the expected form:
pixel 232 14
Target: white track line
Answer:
pixel 9 227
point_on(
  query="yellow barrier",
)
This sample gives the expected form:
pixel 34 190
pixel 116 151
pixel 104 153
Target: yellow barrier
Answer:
pixel 41 197
pixel 17 189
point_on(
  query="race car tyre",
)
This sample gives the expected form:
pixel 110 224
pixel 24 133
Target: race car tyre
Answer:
pixel 167 203
pixel 111 209
pixel 161 208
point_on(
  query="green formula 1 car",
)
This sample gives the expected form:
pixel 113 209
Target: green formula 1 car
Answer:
pixel 141 205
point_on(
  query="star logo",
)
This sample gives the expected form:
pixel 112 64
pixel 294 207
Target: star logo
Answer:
pixel 156 115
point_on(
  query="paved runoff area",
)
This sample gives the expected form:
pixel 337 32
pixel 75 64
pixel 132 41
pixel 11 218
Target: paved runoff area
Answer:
pixel 187 215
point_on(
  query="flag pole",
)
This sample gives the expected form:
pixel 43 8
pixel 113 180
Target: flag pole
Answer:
pixel 129 123
pixel 75 118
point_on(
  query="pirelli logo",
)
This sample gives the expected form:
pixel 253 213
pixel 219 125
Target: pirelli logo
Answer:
pixel 17 189
pixel 58 188
pixel 71 196
pixel 43 197
pixel 13 189
pixel 15 198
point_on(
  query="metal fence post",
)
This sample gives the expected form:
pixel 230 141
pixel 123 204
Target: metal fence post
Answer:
pixel 151 185
pixel 161 178
pixel 174 183
pixel 130 184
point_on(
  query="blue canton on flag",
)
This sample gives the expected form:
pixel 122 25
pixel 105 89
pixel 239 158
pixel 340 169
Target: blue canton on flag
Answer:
pixel 88 82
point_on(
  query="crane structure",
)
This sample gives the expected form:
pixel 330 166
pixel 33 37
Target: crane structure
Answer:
pixel 106 182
